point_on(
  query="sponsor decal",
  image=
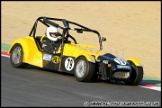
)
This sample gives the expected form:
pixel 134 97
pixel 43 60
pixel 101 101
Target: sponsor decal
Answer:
pixel 69 63
pixel 123 67
pixel 47 57
pixel 55 59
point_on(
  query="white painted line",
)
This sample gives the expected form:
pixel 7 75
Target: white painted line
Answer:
pixel 5 55
pixel 156 88
pixel 153 88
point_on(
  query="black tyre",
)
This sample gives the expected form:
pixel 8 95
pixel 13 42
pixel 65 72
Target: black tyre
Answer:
pixel 84 70
pixel 16 57
pixel 136 76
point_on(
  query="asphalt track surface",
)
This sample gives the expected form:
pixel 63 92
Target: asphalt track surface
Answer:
pixel 39 87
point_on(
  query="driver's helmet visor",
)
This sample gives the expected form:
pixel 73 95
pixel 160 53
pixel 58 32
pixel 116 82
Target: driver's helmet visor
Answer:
pixel 53 34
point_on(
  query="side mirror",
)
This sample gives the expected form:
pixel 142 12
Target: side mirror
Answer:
pixel 103 39
pixel 79 30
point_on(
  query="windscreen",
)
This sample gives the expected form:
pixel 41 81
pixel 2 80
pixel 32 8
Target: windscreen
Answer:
pixel 84 37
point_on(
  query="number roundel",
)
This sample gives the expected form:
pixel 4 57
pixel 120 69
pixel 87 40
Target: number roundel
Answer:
pixel 69 63
pixel 120 61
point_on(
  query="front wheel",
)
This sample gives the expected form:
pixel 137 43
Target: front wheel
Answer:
pixel 16 57
pixel 136 75
pixel 84 70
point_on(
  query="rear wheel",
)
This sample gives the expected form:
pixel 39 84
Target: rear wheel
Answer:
pixel 16 57
pixel 136 75
pixel 84 70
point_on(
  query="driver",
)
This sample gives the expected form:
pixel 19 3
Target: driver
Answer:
pixel 50 42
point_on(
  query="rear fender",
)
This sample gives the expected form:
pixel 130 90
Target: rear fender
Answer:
pixel 24 45
pixel 31 53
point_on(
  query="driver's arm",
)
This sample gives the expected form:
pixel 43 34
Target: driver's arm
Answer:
pixel 47 47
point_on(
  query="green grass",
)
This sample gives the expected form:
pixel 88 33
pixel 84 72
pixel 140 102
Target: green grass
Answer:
pixel 4 47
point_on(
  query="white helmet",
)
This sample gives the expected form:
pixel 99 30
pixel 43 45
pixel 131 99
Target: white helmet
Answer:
pixel 50 30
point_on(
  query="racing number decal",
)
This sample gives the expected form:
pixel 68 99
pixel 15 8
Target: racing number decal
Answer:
pixel 55 59
pixel 69 63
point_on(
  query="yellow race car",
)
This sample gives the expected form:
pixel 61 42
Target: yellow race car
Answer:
pixel 86 62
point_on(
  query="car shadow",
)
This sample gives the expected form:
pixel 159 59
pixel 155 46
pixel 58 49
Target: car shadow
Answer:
pixel 48 70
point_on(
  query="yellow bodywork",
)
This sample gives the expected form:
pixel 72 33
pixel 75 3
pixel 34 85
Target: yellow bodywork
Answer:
pixel 31 53
pixel 77 50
